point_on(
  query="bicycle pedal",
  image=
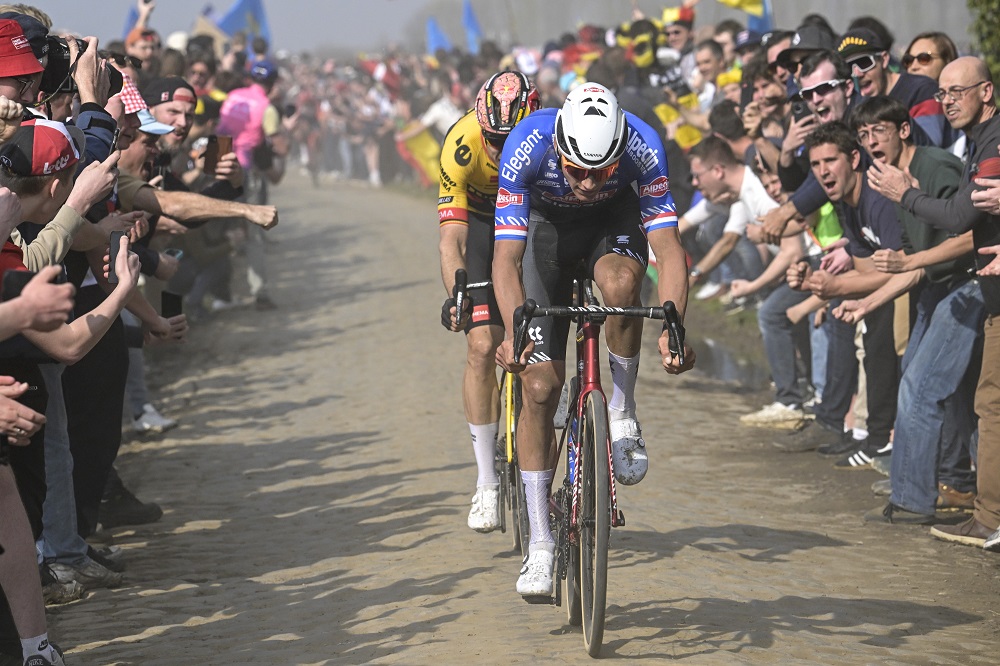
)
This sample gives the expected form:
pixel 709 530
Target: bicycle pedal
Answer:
pixel 546 599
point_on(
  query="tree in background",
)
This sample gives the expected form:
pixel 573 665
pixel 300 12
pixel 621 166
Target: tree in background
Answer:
pixel 986 30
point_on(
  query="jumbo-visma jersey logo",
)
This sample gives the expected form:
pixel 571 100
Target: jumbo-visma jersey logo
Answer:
pixel 505 198
pixel 658 187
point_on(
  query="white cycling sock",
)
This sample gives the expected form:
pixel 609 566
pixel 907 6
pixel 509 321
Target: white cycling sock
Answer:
pixel 39 645
pixel 536 494
pixel 624 372
pixel 484 445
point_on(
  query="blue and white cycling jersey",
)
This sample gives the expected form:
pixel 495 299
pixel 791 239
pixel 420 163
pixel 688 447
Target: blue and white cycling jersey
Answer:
pixel 530 177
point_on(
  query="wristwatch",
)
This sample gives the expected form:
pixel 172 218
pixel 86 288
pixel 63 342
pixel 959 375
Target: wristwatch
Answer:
pixel 695 272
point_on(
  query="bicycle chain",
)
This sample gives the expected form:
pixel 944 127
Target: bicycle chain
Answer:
pixel 562 530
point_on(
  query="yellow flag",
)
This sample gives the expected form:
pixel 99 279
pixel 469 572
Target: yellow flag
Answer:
pixel 755 7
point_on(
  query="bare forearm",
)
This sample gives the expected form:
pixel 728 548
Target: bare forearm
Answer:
pixel 898 284
pixel 452 249
pixel 70 343
pixel 507 281
pixel 950 249
pixel 191 207
pixel 672 279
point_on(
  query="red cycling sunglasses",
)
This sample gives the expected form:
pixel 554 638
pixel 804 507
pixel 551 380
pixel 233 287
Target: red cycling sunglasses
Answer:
pixel 580 173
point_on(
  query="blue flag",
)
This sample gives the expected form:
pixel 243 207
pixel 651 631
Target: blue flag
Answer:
pixel 247 16
pixel 473 34
pixel 130 20
pixel 763 23
pixel 436 39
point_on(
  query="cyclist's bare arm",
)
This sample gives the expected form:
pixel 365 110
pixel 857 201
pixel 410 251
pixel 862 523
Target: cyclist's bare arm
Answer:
pixel 452 249
pixel 507 258
pixel 671 268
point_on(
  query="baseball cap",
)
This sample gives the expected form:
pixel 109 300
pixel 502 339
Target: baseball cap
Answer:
pixel 151 125
pixel 16 56
pixel 131 97
pixel 264 71
pixel 35 31
pixel 42 147
pixel 168 89
pixel 747 39
pixel 806 38
pixel 859 41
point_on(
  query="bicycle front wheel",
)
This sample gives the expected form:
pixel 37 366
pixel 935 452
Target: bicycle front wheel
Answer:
pixel 595 519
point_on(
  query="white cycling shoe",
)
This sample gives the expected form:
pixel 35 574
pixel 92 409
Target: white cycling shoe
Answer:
pixel 628 451
pixel 536 574
pixel 484 516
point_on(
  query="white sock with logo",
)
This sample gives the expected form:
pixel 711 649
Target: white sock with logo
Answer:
pixel 624 372
pixel 484 445
pixel 536 494
pixel 39 645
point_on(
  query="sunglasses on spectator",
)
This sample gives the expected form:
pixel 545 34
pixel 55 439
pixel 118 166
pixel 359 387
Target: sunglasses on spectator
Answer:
pixel 864 63
pixel 954 93
pixel 922 58
pixel 822 89
pixel 580 173
pixel 122 60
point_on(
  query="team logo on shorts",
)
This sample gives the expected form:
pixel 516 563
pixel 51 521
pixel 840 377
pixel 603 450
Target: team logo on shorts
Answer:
pixel 658 187
pixel 481 313
pixel 505 198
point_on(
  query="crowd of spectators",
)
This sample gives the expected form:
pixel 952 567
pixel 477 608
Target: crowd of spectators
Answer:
pixel 842 188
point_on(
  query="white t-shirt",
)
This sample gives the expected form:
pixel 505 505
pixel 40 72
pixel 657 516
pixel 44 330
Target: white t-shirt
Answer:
pixel 442 114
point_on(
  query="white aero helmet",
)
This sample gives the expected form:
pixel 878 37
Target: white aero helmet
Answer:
pixel 590 127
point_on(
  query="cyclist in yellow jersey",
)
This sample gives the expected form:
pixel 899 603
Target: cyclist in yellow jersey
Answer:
pixel 466 205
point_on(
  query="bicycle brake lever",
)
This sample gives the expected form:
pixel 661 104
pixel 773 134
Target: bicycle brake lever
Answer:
pixel 522 318
pixel 675 331
pixel 458 291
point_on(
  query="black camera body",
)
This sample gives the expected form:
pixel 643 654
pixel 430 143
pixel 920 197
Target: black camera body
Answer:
pixel 56 77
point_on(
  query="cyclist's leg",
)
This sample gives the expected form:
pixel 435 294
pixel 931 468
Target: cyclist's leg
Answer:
pixel 480 393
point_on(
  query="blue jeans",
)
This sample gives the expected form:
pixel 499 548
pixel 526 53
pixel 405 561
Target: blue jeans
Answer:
pixel 935 414
pixel 778 334
pixel 819 342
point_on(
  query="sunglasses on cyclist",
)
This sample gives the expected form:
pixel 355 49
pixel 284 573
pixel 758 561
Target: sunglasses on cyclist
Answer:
pixel 864 63
pixel 922 58
pixel 581 173
pixel 495 140
pixel 821 89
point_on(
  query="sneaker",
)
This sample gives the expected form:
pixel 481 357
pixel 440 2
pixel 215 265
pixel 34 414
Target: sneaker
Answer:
pixel 124 508
pixel 841 447
pixel 860 459
pixel 53 658
pixel 992 542
pixel 219 305
pixel 90 574
pixel 112 557
pixel 882 464
pixel 263 303
pixel 55 592
pixel 709 290
pixel 882 488
pixel 970 533
pixel 536 575
pixel 950 499
pixel 484 515
pixel 775 415
pixel 152 421
pixel 814 435
pixel 736 306
pixel 628 452
pixel 897 515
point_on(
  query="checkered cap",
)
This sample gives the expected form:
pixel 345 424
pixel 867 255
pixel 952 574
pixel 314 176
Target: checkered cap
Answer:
pixel 131 97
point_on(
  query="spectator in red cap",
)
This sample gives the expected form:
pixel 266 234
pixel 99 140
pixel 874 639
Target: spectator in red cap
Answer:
pixel 20 71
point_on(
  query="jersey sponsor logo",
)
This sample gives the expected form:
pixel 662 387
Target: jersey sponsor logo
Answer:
pixel 505 198
pixel 481 313
pixel 594 89
pixel 58 165
pixel 446 181
pixel 445 200
pixel 645 157
pixel 571 200
pixel 463 154
pixel 521 156
pixel 535 333
pixel 451 214
pixel 657 188
pixel 510 221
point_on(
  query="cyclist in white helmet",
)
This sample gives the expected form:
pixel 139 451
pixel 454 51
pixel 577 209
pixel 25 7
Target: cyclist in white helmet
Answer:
pixel 568 200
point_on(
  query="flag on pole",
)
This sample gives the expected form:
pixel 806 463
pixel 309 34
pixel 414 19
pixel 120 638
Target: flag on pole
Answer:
pixel 473 34
pixel 759 15
pixel 130 20
pixel 436 39
pixel 247 16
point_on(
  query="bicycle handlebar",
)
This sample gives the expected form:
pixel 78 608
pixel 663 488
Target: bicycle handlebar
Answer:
pixel 459 291
pixel 525 313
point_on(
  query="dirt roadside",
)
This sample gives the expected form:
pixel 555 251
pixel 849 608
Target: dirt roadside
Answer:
pixel 317 488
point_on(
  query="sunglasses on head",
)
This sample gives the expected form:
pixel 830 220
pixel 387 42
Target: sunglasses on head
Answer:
pixel 580 173
pixel 922 58
pixel 821 89
pixel 864 63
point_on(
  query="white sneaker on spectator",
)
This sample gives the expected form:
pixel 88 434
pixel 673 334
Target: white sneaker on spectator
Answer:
pixel 536 574
pixel 775 415
pixel 628 451
pixel 152 421
pixel 484 515
pixel 91 574
pixel 992 542
pixel 707 291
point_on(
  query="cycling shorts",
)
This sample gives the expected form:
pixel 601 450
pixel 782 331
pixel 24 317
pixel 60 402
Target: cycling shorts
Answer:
pixel 559 252
pixel 479 266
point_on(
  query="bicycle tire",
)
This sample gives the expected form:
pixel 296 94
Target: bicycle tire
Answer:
pixel 500 465
pixel 595 519
pixel 521 532
pixel 573 603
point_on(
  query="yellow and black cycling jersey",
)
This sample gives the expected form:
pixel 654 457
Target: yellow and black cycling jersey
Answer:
pixel 468 179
